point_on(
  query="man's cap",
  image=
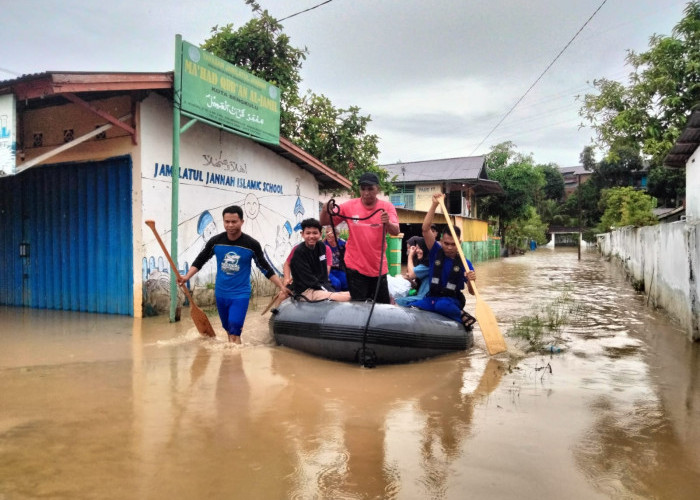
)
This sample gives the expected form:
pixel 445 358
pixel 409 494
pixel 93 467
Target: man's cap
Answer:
pixel 370 179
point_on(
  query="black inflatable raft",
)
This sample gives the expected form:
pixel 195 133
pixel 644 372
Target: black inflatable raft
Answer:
pixel 335 330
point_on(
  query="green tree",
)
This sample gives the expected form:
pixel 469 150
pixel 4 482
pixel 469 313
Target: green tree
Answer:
pixel 523 229
pixel 590 213
pixel 587 157
pixel 667 185
pixel 618 168
pixel 520 180
pixel 261 47
pixel 626 206
pixel 649 113
pixel 548 211
pixel 337 137
pixel 554 182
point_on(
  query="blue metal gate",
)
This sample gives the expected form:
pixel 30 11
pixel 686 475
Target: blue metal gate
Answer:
pixel 66 237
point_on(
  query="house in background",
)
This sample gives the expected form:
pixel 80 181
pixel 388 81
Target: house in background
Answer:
pixel 463 180
pixel 572 177
pixel 85 159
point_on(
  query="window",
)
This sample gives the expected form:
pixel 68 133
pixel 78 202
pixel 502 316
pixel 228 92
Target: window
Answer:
pixel 404 197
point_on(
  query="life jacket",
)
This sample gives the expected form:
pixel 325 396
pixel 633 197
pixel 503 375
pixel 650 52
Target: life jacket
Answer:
pixel 454 278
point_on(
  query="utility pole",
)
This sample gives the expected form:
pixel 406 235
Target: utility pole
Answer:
pixel 579 216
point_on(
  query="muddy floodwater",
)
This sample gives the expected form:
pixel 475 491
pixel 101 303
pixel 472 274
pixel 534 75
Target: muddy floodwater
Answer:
pixel 108 407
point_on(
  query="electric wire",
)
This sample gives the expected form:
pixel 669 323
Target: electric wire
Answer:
pixel 305 10
pixel 538 78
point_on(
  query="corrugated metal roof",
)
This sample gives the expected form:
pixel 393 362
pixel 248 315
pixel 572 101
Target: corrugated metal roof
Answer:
pixel 50 85
pixel 324 175
pixel 686 144
pixel 578 169
pixel 449 169
pixel 41 85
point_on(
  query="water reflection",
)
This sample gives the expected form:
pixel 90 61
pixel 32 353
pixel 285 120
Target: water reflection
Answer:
pixel 321 429
pixel 97 406
pixel 365 431
pixel 640 442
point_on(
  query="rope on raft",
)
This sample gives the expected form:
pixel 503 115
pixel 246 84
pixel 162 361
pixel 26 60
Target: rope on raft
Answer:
pixel 366 357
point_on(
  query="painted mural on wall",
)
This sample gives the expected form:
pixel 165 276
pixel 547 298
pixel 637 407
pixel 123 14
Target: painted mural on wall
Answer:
pixel 218 169
pixel 8 141
pixel 273 212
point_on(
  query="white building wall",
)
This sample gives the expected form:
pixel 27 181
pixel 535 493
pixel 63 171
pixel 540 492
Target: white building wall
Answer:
pixel 692 187
pixel 217 169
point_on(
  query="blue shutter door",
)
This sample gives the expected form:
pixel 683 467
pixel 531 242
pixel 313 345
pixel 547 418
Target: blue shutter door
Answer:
pixel 77 221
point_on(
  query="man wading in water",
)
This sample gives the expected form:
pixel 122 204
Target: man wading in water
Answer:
pixel 235 251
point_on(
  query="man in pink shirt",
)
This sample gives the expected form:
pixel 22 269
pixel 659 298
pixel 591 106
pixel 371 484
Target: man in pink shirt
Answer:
pixel 365 245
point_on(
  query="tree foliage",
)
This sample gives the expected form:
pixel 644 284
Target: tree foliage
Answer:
pixel 261 47
pixel 587 213
pixel 618 168
pixel 521 182
pixel 525 228
pixel 667 185
pixel 625 206
pixel 554 182
pixel 649 113
pixel 337 137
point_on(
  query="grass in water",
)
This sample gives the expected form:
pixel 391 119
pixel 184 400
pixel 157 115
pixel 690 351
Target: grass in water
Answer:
pixel 544 327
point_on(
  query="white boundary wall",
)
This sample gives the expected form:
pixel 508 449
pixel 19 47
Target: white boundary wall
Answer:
pixel 666 257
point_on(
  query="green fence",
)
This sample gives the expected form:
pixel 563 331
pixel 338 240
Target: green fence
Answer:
pixel 479 251
pixel 475 251
pixel 393 253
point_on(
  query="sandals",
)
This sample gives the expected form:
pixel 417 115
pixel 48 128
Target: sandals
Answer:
pixel 468 321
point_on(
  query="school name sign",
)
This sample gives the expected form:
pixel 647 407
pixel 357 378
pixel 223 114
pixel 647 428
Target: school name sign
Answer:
pixel 219 92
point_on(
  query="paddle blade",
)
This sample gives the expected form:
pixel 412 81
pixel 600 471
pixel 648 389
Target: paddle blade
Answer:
pixel 495 343
pixel 201 321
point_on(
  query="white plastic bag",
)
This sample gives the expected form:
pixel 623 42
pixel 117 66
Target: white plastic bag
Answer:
pixel 398 286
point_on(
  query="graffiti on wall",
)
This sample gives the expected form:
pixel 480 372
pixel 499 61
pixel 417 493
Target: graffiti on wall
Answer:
pixel 8 144
pixel 272 214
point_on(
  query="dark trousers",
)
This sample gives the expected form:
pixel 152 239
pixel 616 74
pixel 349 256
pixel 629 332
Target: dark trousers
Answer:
pixel 363 287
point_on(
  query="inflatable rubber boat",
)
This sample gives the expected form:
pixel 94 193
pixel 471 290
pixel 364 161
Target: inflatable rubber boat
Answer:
pixel 336 330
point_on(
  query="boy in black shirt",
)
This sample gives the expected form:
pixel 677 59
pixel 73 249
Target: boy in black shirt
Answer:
pixel 306 268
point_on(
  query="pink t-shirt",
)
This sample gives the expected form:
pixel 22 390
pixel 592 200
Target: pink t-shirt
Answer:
pixel 364 247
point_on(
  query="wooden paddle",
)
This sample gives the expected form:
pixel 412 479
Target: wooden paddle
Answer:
pixel 274 302
pixel 495 343
pixel 198 316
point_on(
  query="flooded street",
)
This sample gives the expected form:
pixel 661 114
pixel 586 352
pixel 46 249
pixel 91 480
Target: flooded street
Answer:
pixel 110 407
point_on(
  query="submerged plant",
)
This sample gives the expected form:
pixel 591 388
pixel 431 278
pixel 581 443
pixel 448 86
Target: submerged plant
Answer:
pixel 544 327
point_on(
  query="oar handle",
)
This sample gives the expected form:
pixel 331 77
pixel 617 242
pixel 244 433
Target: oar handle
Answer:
pixel 152 225
pixel 457 242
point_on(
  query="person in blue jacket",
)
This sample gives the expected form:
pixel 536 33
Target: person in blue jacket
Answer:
pixel 337 275
pixel 447 274
pixel 417 269
pixel 235 252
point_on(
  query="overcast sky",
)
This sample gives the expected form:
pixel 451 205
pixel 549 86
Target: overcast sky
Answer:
pixel 435 76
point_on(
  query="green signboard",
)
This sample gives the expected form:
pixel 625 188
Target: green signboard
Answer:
pixel 226 95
